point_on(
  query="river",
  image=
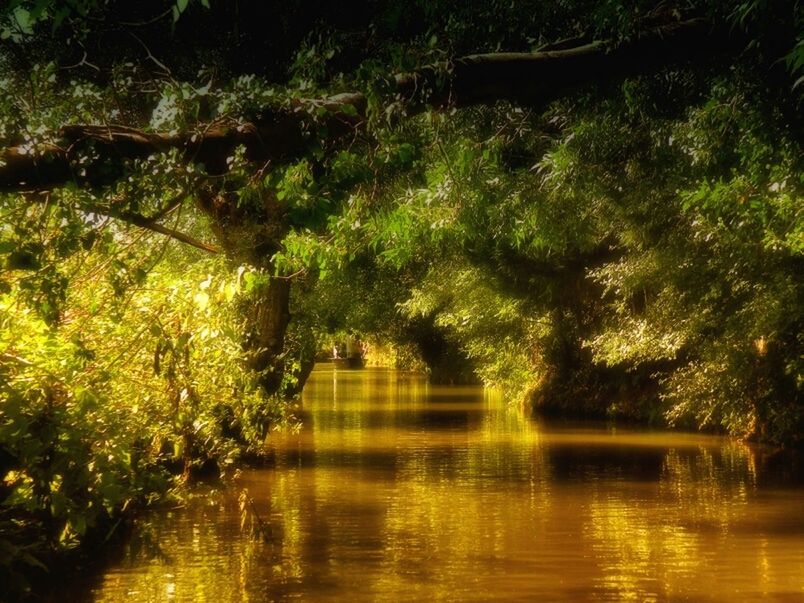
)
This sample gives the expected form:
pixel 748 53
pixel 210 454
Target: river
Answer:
pixel 394 490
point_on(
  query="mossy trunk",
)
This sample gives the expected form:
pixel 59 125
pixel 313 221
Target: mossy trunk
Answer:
pixel 267 313
pixel 252 233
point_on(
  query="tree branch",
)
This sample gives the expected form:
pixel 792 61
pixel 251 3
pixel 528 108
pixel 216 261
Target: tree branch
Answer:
pixel 151 224
pixel 283 135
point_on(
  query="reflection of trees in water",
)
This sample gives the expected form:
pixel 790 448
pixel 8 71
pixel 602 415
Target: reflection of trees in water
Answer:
pixel 194 553
pixel 640 554
pixel 422 467
pixel 667 539
pixel 394 487
pixel 710 486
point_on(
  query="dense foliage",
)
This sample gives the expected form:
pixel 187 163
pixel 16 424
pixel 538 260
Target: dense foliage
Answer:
pixel 118 386
pixel 632 248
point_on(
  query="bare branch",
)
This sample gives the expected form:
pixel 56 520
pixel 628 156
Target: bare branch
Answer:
pixel 150 56
pixel 148 223
pixel 151 224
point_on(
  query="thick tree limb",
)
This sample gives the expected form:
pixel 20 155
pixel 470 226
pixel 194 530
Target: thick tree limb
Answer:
pixel 282 135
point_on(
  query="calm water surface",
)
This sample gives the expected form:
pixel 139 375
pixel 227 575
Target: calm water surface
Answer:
pixel 399 491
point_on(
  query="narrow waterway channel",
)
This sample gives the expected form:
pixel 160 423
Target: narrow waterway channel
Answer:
pixel 394 490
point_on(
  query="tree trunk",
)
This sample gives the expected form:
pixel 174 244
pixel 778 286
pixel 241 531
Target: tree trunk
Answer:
pixel 251 235
pixel 267 313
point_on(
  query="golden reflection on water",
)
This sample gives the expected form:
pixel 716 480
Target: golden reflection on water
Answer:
pixel 398 491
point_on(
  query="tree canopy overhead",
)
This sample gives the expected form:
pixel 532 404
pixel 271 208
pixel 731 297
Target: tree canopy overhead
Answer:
pixel 280 134
pixel 593 205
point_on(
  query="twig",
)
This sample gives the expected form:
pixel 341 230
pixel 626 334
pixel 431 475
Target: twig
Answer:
pixel 83 62
pixel 18 359
pixel 262 527
pixel 149 224
pixel 151 56
pixel 150 21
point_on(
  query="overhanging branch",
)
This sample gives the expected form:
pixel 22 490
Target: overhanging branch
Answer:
pixel 283 135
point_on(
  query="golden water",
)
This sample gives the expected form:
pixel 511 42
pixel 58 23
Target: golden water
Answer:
pixel 399 491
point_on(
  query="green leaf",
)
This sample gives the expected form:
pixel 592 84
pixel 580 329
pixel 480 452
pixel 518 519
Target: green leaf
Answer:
pixel 23 19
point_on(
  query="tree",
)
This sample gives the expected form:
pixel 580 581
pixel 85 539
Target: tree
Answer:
pixel 97 155
pixel 609 218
